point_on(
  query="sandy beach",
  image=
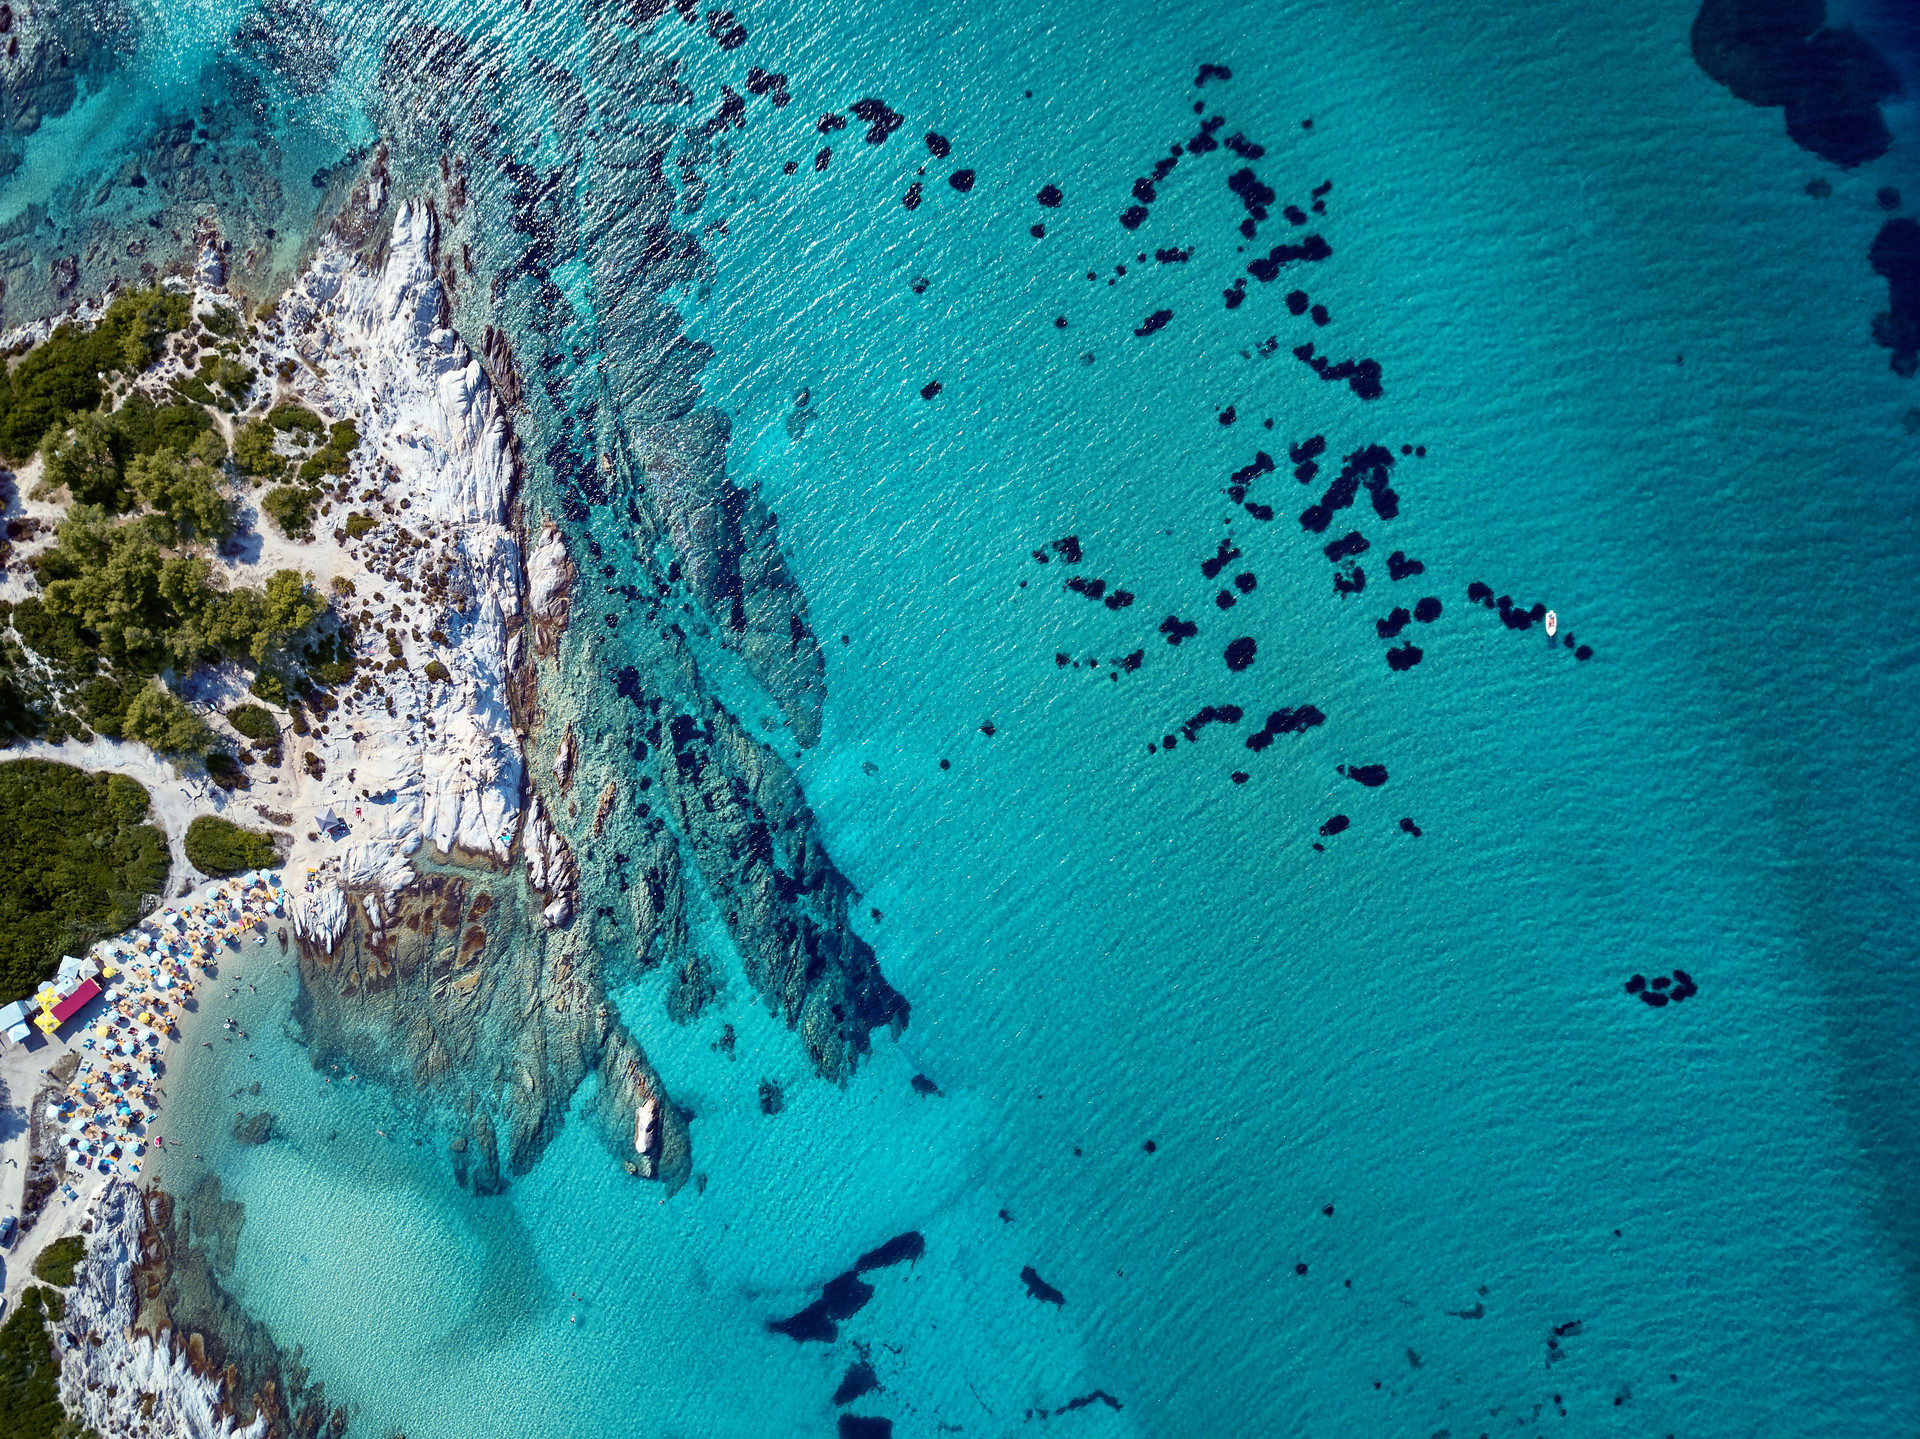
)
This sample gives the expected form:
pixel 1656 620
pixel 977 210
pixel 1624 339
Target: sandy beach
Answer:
pixel 104 1072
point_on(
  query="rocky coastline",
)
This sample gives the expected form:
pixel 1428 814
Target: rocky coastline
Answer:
pixel 527 831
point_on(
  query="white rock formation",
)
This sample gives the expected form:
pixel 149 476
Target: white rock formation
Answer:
pixel 106 1384
pixel 445 767
pixel 550 865
pixel 550 579
pixel 320 916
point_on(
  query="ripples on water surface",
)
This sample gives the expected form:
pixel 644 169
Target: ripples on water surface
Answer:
pixel 1406 1123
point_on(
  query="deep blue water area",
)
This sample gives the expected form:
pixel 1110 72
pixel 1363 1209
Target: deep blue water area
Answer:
pixel 1314 1124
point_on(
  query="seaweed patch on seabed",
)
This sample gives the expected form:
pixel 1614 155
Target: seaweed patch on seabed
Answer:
pixel 1372 468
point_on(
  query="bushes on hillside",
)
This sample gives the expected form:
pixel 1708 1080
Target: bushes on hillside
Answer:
pixel 217 846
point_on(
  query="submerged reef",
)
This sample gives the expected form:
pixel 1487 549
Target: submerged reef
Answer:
pixel 483 983
pixel 1830 82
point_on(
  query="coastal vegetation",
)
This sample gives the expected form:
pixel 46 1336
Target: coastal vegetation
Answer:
pixel 254 722
pixel 30 1372
pixel 165 724
pixel 76 856
pixel 58 1260
pixel 291 508
pixel 218 847
pixel 331 458
pixel 113 592
pixel 61 377
pixel 254 453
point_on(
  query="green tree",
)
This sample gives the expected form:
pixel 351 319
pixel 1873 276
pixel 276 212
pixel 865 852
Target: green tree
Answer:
pixel 81 457
pixel 292 510
pixel 253 451
pixel 76 855
pixel 210 450
pixel 162 721
pixel 61 376
pixel 184 490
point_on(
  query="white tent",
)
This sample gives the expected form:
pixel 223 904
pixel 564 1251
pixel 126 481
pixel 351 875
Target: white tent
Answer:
pixel 72 971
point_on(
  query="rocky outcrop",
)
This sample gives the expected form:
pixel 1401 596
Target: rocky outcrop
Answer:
pixel 726 544
pixel 550 867
pixel 563 757
pixel 550 579
pixel 318 914
pixel 125 1367
pixel 455 988
pixel 441 752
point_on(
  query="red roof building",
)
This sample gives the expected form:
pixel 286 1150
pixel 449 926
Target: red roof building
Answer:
pixel 75 1002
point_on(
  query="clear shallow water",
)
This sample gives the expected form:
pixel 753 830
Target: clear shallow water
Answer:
pixel 1534 220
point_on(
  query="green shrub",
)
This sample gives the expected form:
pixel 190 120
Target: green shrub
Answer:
pixel 291 507
pixel 269 687
pixel 76 855
pixel 112 589
pixel 165 723
pixel 55 635
pixel 29 1373
pixel 254 454
pixel 226 771
pixel 104 701
pixel 331 458
pixel 186 491
pixel 254 722
pixel 358 524
pixel 217 846
pixel 222 321
pixel 285 416
pixel 436 671
pixel 62 376
pixel 58 1260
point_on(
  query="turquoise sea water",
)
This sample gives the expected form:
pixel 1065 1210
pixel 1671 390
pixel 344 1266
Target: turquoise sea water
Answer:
pixel 1638 355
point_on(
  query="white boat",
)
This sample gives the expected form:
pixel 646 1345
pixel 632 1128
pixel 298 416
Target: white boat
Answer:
pixel 1553 623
